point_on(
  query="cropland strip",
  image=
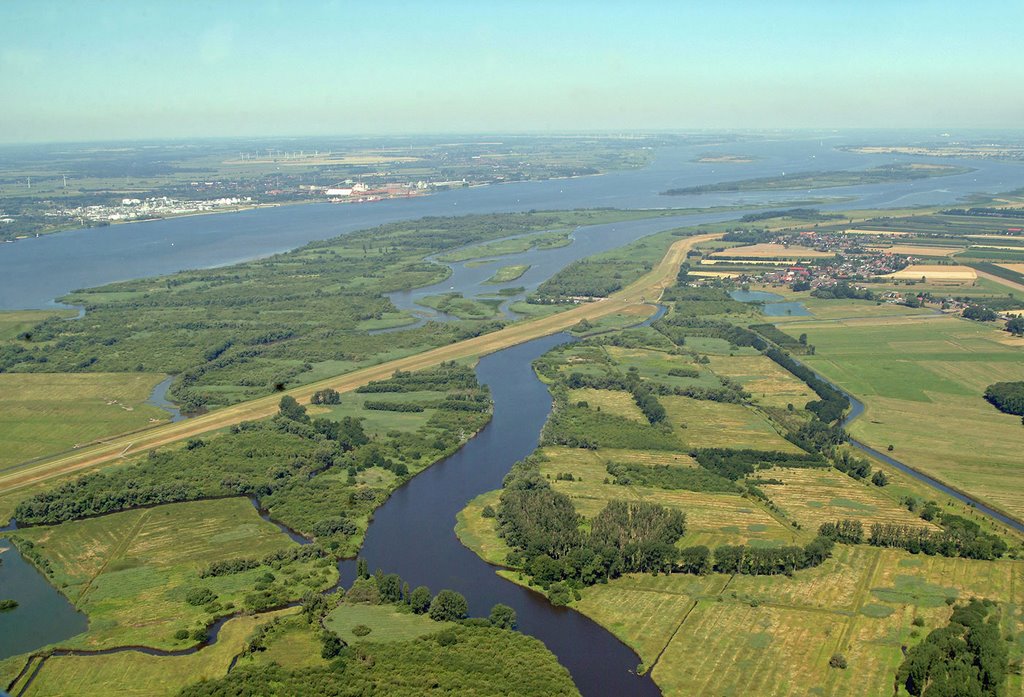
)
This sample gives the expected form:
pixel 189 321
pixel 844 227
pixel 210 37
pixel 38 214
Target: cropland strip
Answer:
pixel 647 288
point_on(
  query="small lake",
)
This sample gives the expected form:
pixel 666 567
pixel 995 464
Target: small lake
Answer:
pixel 772 305
pixel 43 615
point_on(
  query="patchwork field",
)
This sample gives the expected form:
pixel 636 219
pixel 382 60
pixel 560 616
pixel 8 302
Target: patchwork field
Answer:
pixel 922 384
pixel 774 635
pixel 130 571
pixel 44 413
pixel 813 496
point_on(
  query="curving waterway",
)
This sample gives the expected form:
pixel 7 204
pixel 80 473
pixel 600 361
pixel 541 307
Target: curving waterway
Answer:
pixel 413 535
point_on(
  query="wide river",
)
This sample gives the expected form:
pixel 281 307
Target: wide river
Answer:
pixel 33 272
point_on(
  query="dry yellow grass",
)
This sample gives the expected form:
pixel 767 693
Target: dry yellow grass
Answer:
pixel 767 250
pixel 936 273
pixel 1019 268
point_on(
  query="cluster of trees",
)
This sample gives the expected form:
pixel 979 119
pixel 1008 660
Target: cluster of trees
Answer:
pixel 678 326
pixel 591 278
pixel 782 339
pixel 847 531
pixel 734 464
pixel 966 657
pixel 543 530
pixel 842 290
pixel 445 377
pixel 1007 397
pixel 668 477
pixel 833 403
pixel 326 396
pixel 979 313
pixel 378 405
pixel 958 538
pixel 472 660
pixel 581 427
pixel 771 561
pixel 227 567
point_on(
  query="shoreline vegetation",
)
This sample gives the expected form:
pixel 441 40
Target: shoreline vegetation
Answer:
pixel 826 179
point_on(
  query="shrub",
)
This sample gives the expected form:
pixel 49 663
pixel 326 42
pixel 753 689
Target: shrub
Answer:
pixel 838 660
pixel 361 630
pixel 199 595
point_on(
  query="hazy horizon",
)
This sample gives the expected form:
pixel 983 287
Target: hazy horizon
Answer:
pixel 157 71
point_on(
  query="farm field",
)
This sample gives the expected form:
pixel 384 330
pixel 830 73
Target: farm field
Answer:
pixel 707 424
pixel 774 635
pixel 813 496
pixel 141 675
pixel 712 518
pixel 963 274
pixel 922 384
pixel 44 413
pixel 767 382
pixel 130 571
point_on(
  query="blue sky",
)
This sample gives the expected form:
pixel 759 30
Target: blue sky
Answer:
pixel 149 69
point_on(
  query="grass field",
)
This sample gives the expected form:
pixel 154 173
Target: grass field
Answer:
pixel 508 273
pixel 706 424
pixel 611 401
pixel 479 533
pixel 141 675
pixel 922 384
pixel 712 518
pixel 385 623
pixel 813 496
pixel 15 322
pixel 43 413
pixel 768 383
pixel 130 571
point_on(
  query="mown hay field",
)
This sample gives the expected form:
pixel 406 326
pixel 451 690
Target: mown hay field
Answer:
pixel 813 496
pixel 707 424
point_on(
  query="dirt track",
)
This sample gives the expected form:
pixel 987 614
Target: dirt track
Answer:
pixel 647 289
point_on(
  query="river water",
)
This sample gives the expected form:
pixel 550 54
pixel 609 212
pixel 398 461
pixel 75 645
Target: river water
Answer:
pixel 412 534
pixel 33 272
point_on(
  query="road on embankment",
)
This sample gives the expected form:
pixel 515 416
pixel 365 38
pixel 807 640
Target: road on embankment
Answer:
pixel 645 290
